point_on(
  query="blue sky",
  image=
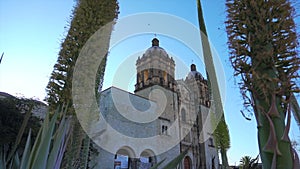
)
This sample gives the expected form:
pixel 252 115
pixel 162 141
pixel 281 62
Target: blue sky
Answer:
pixel 31 32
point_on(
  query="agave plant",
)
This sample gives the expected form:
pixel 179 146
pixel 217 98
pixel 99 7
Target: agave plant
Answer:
pixel 47 150
pixel 172 164
pixel 263 45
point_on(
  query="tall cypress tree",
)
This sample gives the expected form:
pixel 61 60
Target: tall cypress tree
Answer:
pixel 87 17
pixel 262 40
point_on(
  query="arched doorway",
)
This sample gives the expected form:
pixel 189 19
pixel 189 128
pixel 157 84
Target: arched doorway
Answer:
pixel 123 158
pixel 187 163
pixel 147 159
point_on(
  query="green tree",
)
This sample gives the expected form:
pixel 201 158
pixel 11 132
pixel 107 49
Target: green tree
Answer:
pixel 262 40
pixel 247 162
pixel 221 133
pixel 222 141
pixel 11 118
pixel 87 17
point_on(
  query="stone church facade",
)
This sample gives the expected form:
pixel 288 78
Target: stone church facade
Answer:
pixel 161 119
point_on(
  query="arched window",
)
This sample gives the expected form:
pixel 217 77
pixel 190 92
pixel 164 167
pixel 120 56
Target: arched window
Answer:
pixel 121 161
pixel 164 129
pixel 147 158
pixel 183 115
pixel 146 75
pixel 122 158
pixel 165 76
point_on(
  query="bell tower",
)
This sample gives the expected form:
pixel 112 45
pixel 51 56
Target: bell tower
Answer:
pixel 199 85
pixel 155 67
pixel 155 80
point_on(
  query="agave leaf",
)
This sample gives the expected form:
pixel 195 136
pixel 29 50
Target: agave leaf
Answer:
pixel 10 165
pixel 63 147
pixel 26 153
pixel 40 161
pixel 2 157
pixel 272 144
pixel 61 152
pixel 158 164
pixel 45 126
pixel 172 164
pixel 35 147
pixel 20 133
pixel 58 137
pixel 59 142
pixel 16 161
pixel 37 157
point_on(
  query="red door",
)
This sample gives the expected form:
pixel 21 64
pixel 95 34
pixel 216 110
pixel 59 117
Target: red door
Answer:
pixel 187 163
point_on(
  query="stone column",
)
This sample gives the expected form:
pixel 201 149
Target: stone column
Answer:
pixel 133 163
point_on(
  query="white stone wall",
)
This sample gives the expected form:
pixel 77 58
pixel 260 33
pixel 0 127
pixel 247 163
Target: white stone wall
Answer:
pixel 167 101
pixel 122 132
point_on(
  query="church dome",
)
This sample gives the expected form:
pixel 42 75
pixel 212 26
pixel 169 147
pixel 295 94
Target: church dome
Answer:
pixel 155 50
pixel 194 74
